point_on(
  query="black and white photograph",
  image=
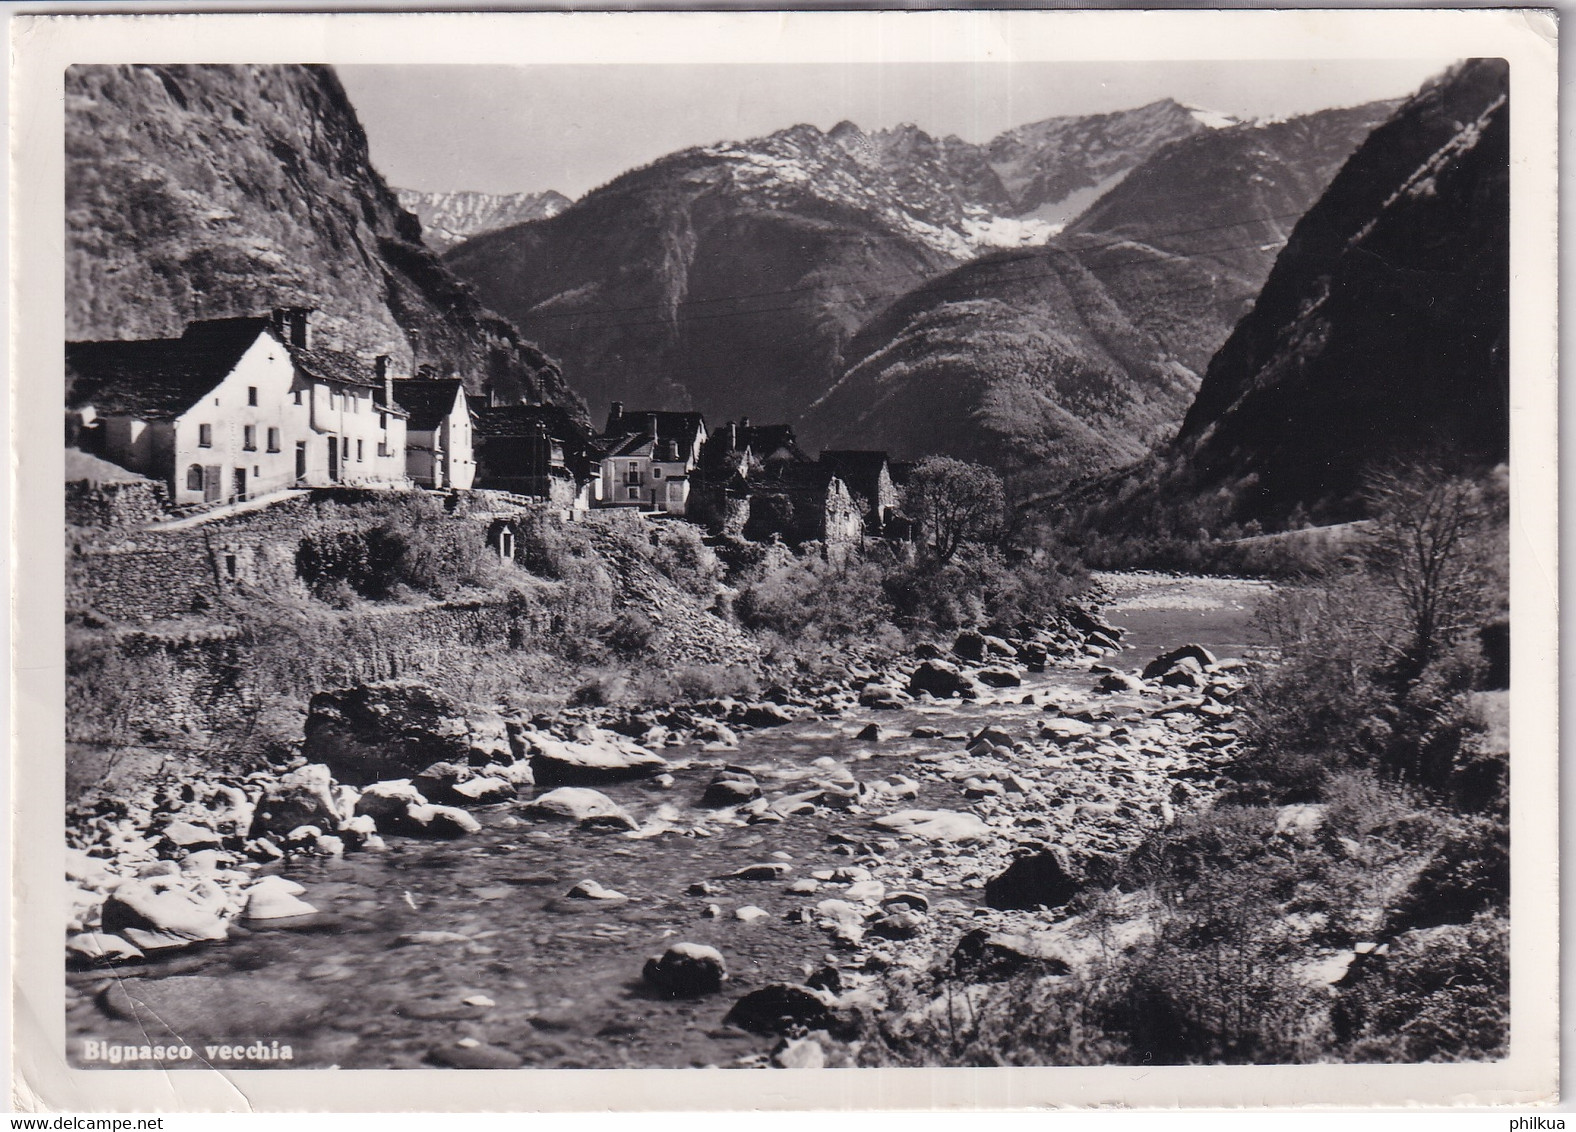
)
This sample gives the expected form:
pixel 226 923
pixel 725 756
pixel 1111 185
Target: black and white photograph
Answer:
pixel 768 564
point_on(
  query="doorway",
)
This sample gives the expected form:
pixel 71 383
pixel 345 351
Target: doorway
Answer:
pixel 240 485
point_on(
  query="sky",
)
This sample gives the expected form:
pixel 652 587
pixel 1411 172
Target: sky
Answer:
pixel 573 127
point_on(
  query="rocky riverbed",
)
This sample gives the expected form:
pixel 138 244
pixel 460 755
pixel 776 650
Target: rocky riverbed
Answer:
pixel 726 883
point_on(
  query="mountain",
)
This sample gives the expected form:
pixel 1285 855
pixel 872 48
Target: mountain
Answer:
pixel 448 218
pixel 208 191
pixel 1069 359
pixel 1383 329
pixel 729 277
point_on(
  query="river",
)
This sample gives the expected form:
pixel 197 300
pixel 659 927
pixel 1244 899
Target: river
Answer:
pixel 554 981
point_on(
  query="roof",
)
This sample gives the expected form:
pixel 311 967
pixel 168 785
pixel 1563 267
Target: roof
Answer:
pixel 521 420
pixel 859 469
pixel 792 475
pixel 762 441
pixel 333 365
pixel 427 400
pixel 681 428
pixel 158 378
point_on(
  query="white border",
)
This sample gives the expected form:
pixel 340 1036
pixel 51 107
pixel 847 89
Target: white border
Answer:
pixel 43 46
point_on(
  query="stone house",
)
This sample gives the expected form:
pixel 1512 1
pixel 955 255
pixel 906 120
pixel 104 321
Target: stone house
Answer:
pixel 439 438
pixel 534 450
pixel 801 501
pixel 646 458
pixel 234 408
pixel 868 475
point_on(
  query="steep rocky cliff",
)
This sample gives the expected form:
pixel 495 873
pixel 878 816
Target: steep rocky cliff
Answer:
pixel 1383 328
pixel 208 191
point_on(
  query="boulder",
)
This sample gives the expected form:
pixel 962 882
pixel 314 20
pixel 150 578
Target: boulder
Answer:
pixel 480 790
pixel 936 825
pixel 686 970
pixel 769 870
pixel 472 1053
pixel 765 715
pixel 1033 656
pixel 983 955
pixel 1165 662
pixel 730 788
pixel 999 646
pixel 96 947
pixel 591 890
pixel 397 728
pixel 1086 623
pixel 305 796
pixel 884 697
pixel 438 821
pixel 276 898
pixel 715 731
pixel 389 801
pixel 1048 879
pixel 582 806
pixel 602 756
pixel 927 651
pixel 870 733
pixel 162 912
pixel 999 676
pixel 969 645
pixel 799 1053
pixel 939 678
pixel 899 925
pixel 1119 682
pixel 750 914
pixel 782 1008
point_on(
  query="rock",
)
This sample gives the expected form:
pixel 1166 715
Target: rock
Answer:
pixel 998 646
pixel 989 737
pixel 927 651
pixel 275 898
pixel 986 956
pixel 750 914
pixel 884 697
pixel 389 801
pixel 185 835
pixel 164 912
pixel 1033 656
pixel 1300 823
pixel 483 791
pixel 939 678
pixel 1165 662
pixel 969 645
pixel 1086 622
pixel 604 756
pixel 686 970
pixel 714 731
pixel 360 832
pixel 583 806
pixel 765 715
pixel 98 947
pixel 899 925
pixel 730 788
pixel 1065 729
pixel 1119 682
pixel 770 870
pixel 905 899
pixel 701 888
pixel 844 920
pixel 936 825
pixel 396 728
pixel 998 676
pixel 1048 879
pixel 799 1053
pixel 90 872
pixel 869 734
pixel 591 890
pixel 469 1053
pixel 781 1008
pixel 804 886
pixel 428 939
pixel 302 797
pixel 863 890
pixel 439 821
pixel 1183 677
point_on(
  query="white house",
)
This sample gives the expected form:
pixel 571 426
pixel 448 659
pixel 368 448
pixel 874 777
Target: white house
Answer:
pixel 646 458
pixel 440 433
pixel 235 408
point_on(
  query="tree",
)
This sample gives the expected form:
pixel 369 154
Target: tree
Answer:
pixel 955 502
pixel 1431 546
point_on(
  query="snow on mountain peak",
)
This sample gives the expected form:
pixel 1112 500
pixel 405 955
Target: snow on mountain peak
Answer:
pixel 1212 119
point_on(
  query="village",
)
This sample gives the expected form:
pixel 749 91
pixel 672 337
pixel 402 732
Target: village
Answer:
pixel 240 412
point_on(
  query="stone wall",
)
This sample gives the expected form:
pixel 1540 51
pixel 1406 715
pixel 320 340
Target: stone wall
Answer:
pixel 110 505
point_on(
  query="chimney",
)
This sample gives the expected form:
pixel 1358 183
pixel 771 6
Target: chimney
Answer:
pixel 380 367
pixel 651 427
pixel 744 424
pixel 615 416
pixel 290 323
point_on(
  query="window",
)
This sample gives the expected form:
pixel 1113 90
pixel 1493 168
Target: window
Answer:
pixel 273 440
pixel 355 402
pixel 249 437
pixel 251 395
pixel 205 436
pixel 656 473
pixel 634 493
pixel 358 451
pixel 383 448
pixel 383 421
pixel 257 471
pixel 296 396
pixel 194 478
pixel 229 564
